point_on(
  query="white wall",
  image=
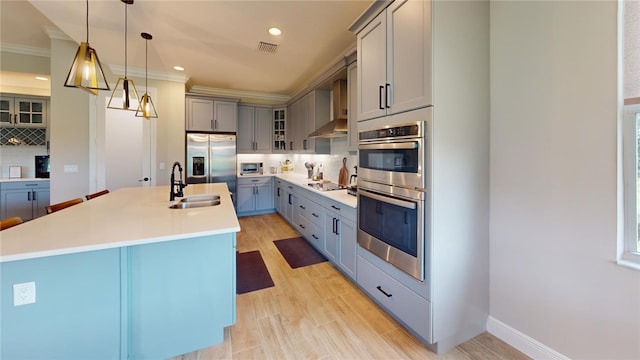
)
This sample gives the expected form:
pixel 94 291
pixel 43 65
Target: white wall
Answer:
pixel 68 128
pixel 553 180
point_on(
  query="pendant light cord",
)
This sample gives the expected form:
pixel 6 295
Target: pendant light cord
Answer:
pixel 87 17
pixel 146 65
pixel 125 39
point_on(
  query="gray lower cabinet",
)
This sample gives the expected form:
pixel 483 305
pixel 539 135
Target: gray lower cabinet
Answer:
pixel 407 306
pixel 290 202
pixel 254 195
pixel 26 199
pixel 278 195
pixel 340 237
pixel 328 225
pixel 309 221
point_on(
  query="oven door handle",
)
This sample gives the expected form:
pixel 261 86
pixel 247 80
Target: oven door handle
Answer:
pixel 387 199
pixel 398 145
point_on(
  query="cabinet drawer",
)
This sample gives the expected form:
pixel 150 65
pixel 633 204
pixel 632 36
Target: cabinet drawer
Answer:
pixel 309 230
pixel 311 211
pixel 259 180
pixel 341 210
pixel 407 306
pixel 21 185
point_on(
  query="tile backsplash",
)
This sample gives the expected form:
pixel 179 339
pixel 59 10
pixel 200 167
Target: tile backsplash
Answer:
pixel 331 163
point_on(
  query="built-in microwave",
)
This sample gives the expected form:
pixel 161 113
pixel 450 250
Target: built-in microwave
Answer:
pixel 251 168
pixel 393 154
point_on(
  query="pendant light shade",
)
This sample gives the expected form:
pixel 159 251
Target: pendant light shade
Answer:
pixel 124 95
pixel 86 71
pixel 146 109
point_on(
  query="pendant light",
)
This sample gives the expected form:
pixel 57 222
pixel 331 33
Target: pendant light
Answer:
pixel 125 88
pixel 146 109
pixel 86 71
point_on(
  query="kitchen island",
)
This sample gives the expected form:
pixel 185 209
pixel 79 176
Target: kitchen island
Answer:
pixel 121 276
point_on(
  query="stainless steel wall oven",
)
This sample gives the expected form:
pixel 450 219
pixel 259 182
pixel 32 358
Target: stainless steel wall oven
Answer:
pixel 392 206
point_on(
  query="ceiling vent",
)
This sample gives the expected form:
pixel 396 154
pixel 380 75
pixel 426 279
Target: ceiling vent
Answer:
pixel 267 47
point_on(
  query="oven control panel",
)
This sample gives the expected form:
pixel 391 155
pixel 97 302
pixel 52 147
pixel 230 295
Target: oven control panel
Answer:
pixel 411 130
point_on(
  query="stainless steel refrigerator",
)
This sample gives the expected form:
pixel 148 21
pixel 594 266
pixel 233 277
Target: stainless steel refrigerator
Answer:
pixel 211 158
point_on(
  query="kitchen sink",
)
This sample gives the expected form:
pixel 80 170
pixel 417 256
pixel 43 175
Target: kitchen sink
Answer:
pixel 195 198
pixel 196 201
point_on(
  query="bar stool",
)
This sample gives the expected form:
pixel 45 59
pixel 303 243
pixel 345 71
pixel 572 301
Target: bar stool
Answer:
pixel 63 205
pixel 10 222
pixel 95 195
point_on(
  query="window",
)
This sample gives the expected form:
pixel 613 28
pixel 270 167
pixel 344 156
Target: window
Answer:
pixel 629 252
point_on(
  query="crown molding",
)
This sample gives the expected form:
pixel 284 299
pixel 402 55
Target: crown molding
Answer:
pixel 155 75
pixel 55 33
pixel 241 94
pixel 25 50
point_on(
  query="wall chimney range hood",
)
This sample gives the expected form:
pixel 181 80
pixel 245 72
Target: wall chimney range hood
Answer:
pixel 338 126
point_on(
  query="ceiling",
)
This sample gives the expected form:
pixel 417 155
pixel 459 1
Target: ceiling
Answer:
pixel 215 41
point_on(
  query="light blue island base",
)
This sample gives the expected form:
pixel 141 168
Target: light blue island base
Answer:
pixel 148 301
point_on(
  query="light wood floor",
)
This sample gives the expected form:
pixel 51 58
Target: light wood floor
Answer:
pixel 314 312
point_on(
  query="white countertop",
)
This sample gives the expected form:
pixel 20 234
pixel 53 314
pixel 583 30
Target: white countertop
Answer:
pixel 340 196
pixel 22 179
pixel 125 217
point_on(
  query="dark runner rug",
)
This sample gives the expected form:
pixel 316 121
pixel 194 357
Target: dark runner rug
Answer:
pixel 298 252
pixel 251 272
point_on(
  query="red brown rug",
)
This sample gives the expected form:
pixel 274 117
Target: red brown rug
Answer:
pixel 251 272
pixel 298 252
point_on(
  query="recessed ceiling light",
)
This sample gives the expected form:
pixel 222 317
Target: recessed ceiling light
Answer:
pixel 275 31
pixel 42 78
pixel 179 68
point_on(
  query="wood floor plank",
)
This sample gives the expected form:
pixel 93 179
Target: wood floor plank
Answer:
pixel 315 312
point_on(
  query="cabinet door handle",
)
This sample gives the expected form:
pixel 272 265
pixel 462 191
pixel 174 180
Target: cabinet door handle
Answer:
pixel 335 207
pixel 215 123
pixel 290 203
pixel 278 192
pixel 314 236
pixel 387 101
pixel 380 90
pixel 212 125
pixel 314 214
pixel 302 226
pixel 333 230
pixel 29 196
pixel 290 145
pixel 302 207
pixel 384 292
pixel 34 196
pixel 337 227
pixel 257 190
pixel 304 144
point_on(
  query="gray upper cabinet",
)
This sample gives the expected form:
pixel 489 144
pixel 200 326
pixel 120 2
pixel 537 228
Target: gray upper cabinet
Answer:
pixel 208 114
pixel 254 129
pixel 21 111
pixel 352 114
pixel 305 116
pixel 394 60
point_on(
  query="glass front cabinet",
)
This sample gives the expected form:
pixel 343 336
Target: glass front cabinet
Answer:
pixel 279 130
pixel 23 111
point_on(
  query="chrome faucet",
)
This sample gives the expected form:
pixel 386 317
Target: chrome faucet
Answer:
pixel 174 183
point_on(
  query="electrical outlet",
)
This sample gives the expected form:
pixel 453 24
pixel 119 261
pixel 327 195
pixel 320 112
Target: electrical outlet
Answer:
pixel 24 293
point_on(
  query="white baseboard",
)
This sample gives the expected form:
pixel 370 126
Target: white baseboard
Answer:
pixel 522 342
